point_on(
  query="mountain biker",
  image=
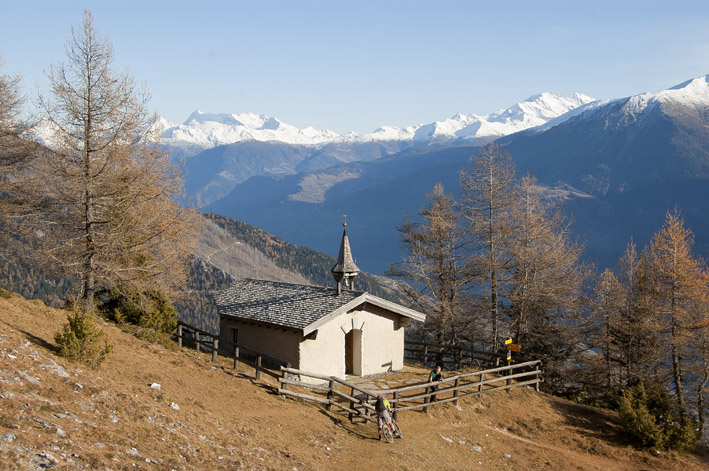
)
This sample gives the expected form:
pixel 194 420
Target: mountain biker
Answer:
pixel 434 377
pixel 383 408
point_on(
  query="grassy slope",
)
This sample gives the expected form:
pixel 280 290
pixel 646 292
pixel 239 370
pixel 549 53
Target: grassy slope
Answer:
pixel 114 420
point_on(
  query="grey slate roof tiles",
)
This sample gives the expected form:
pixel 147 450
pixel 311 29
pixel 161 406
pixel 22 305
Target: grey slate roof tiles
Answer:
pixel 282 304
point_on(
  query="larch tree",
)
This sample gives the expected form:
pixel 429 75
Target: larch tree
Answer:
pixel 434 264
pixel 488 199
pixel 635 335
pixel 113 221
pixel 606 306
pixel 678 289
pixel 545 279
pixel 15 152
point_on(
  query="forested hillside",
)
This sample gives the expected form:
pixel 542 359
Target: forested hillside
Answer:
pixel 227 249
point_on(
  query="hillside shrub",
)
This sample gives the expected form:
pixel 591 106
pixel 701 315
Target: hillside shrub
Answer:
pixel 150 312
pixel 649 418
pixel 5 294
pixel 81 340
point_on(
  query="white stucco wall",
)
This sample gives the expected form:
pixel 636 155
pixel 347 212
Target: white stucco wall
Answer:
pixel 382 343
pixel 279 343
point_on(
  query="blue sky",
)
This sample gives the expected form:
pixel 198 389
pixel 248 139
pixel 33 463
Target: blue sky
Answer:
pixel 354 66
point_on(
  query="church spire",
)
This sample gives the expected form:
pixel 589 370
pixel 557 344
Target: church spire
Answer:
pixel 345 268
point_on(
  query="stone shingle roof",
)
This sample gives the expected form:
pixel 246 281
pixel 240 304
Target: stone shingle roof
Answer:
pixel 282 304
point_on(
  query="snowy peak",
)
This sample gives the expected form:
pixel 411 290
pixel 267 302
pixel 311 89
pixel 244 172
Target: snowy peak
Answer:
pixel 693 93
pixel 206 130
pixel 534 111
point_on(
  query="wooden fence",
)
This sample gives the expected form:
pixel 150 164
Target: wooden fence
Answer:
pixel 208 342
pixel 331 391
pixel 451 357
pixel 359 401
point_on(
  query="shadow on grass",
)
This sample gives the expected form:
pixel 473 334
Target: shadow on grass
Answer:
pixel 352 428
pixel 40 342
pixel 592 422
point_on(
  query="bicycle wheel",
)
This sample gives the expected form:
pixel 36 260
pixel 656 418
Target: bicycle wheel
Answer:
pixel 388 436
pixel 397 430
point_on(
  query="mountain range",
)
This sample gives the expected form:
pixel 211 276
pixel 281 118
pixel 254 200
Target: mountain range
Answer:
pixel 617 166
pixel 224 150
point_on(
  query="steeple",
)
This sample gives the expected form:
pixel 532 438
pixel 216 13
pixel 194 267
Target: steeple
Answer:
pixel 345 268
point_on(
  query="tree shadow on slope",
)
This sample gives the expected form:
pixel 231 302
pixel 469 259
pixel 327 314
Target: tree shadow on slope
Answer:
pixel 40 342
pixel 592 422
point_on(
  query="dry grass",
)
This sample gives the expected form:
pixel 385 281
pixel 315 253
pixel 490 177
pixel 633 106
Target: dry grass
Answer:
pixel 110 418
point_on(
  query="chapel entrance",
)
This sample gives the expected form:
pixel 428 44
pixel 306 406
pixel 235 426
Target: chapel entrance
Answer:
pixel 353 352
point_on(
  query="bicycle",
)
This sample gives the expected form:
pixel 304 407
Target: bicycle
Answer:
pixel 390 434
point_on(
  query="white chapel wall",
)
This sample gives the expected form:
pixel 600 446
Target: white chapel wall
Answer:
pixel 279 343
pixel 382 343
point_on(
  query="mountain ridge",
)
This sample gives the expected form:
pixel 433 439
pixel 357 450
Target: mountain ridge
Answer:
pixel 208 130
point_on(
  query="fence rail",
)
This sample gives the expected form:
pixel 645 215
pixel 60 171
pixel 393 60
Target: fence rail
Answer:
pixel 332 391
pixel 359 402
pixel 209 342
pixel 454 357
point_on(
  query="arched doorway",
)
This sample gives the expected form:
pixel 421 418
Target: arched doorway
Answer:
pixel 353 352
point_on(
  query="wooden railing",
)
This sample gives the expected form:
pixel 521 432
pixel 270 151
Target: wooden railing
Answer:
pixel 208 342
pixel 356 405
pixel 201 339
pixel 415 396
pixel 451 357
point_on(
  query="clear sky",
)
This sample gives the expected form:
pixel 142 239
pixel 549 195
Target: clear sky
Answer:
pixel 357 65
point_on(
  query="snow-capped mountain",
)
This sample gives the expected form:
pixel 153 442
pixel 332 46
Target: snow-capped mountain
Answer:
pixel 615 166
pixel 206 130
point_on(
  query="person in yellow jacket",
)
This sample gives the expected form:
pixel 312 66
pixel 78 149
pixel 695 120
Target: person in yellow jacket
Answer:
pixel 383 408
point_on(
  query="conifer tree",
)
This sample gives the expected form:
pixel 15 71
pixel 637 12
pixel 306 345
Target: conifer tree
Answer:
pixel 678 290
pixel 487 203
pixel 15 152
pixel 113 218
pixel 434 264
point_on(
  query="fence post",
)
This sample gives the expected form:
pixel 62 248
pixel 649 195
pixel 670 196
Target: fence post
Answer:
pixel 426 400
pixel 196 341
pixel 352 406
pixel 396 405
pixel 480 386
pixel 455 391
pixel 215 348
pixel 425 355
pixel 236 357
pixel 179 336
pixel 258 367
pixel 329 394
pixel 460 359
pixel 284 385
pixel 509 372
pixel 536 385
